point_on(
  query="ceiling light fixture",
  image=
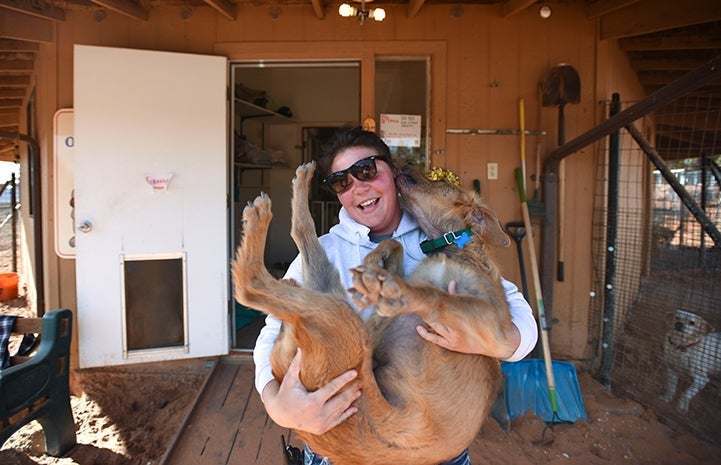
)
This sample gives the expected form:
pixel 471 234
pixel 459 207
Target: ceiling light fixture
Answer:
pixel 347 11
pixel 545 12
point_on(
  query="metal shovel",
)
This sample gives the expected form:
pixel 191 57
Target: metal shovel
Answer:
pixel 561 86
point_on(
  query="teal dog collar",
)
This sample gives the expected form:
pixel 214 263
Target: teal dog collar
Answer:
pixel 460 238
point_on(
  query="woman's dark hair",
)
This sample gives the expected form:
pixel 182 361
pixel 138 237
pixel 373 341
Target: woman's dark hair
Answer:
pixel 352 137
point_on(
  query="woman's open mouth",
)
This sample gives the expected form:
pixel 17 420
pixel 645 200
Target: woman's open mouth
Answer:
pixel 368 203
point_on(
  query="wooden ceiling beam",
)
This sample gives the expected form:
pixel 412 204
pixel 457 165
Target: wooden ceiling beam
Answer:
pixel 513 7
pixel 648 16
pixel 661 78
pixel 318 8
pixel 12 93
pixel 223 7
pixel 11 102
pixel 414 6
pixel 125 7
pixel 6 148
pixel 679 42
pixel 689 127
pixel 703 93
pixel 9 119
pixel 14 81
pixel 596 9
pixel 10 45
pixel 21 66
pixel 666 64
pixel 684 139
pixel 696 104
pixel 19 26
pixel 45 10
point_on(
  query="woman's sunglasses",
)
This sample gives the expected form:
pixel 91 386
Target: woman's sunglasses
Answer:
pixel 362 170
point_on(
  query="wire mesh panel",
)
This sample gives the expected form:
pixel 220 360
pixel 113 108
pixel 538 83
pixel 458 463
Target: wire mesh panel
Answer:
pixel 667 286
pixel 9 227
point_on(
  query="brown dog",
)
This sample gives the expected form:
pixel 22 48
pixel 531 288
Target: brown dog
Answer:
pixel 421 404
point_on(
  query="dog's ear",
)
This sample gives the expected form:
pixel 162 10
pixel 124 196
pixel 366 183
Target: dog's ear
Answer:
pixel 705 327
pixel 669 318
pixel 489 225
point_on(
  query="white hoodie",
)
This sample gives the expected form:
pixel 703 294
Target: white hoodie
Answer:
pixel 346 245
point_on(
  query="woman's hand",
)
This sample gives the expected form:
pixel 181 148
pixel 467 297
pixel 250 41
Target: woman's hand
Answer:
pixel 290 405
pixel 459 341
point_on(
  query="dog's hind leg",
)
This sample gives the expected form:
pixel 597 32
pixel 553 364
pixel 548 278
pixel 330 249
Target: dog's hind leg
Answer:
pixel 318 273
pixel 248 266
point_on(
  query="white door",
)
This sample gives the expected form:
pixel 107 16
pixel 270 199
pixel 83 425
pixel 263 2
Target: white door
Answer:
pixel 150 205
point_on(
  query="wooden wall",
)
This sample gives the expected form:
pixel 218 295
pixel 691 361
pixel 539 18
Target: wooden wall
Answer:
pixel 490 63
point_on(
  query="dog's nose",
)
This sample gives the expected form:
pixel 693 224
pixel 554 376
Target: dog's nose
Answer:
pixel 678 326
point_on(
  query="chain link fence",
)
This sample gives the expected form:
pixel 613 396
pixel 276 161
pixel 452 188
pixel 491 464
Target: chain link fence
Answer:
pixel 666 289
pixel 9 237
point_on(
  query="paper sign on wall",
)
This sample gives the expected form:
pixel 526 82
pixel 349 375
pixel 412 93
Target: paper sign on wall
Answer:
pixel 401 130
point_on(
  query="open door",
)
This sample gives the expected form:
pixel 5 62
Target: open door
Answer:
pixel 150 204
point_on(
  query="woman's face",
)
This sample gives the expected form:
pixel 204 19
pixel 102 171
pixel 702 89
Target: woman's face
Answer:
pixel 373 203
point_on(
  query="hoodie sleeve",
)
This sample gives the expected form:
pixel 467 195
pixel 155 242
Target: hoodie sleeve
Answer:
pixel 261 353
pixel 266 339
pixel 522 317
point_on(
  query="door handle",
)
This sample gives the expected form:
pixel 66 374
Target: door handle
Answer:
pixel 85 226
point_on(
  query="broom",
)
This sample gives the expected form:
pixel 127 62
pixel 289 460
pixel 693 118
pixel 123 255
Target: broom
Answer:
pixel 539 298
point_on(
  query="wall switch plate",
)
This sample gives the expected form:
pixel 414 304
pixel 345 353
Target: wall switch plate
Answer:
pixel 492 171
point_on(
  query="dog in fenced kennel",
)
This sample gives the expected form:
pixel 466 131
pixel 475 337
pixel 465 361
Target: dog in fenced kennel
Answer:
pixel 691 348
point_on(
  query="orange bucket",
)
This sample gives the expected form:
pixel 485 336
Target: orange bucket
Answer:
pixel 8 286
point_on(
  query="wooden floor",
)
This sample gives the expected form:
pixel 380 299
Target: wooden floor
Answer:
pixel 228 424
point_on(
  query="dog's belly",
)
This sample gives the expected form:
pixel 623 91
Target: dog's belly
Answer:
pixel 407 367
pixel 398 346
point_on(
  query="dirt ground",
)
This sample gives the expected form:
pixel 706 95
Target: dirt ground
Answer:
pixel 127 417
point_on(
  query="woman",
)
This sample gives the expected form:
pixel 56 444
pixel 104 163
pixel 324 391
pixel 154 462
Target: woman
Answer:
pixel 357 166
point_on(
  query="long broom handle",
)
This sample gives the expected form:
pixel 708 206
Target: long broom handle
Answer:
pixel 522 124
pixel 539 296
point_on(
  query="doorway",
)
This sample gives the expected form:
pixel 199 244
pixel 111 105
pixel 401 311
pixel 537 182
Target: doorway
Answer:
pixel 281 114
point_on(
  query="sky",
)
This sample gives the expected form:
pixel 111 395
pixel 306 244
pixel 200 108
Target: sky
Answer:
pixel 6 168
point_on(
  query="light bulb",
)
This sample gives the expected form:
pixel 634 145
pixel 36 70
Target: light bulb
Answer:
pixel 545 12
pixel 346 10
pixel 379 14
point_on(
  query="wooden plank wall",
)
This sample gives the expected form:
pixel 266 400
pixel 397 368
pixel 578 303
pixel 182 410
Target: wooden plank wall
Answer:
pixel 491 63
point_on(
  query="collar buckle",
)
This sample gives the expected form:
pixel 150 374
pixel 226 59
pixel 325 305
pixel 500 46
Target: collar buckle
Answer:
pixel 451 236
pixel 460 238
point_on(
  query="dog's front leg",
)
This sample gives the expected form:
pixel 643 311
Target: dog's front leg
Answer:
pixel 369 279
pixel 700 380
pixel 671 383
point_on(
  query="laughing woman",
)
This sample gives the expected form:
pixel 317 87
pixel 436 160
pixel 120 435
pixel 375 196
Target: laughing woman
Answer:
pixel 358 168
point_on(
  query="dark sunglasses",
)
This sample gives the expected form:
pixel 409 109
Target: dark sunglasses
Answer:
pixel 362 170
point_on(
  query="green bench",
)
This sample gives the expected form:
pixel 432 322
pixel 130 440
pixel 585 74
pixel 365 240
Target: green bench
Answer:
pixel 36 387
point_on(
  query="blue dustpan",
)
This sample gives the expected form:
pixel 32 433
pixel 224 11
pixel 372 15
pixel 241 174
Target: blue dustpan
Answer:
pixel 526 388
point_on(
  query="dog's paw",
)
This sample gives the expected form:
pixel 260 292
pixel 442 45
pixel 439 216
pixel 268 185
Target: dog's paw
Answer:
pixel 683 405
pixel 376 286
pixel 303 174
pixel 257 213
pixel 366 288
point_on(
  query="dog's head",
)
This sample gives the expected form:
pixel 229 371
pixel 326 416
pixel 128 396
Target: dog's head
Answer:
pixel 686 327
pixel 440 206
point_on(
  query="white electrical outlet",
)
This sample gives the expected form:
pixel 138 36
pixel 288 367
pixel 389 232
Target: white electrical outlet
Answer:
pixel 492 171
